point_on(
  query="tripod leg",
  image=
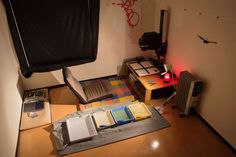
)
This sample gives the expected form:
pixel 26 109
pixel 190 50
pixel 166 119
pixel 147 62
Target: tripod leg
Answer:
pixel 168 99
pixel 160 108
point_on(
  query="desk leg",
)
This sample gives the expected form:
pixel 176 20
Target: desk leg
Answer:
pixel 148 95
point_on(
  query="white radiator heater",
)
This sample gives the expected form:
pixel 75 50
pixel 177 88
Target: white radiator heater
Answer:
pixel 188 92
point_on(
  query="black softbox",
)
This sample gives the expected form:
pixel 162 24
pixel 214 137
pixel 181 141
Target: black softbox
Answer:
pixel 51 34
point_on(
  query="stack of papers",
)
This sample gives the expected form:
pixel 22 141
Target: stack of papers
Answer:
pixel 146 64
pixel 139 110
pixel 141 72
pixel 144 68
pixel 153 70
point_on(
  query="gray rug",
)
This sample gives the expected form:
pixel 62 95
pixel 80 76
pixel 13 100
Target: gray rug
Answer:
pixel 106 136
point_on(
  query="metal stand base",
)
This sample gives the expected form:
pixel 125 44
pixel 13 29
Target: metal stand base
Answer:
pixel 160 108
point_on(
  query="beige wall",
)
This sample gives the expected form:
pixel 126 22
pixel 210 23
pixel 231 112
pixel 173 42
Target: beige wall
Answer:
pixel 213 63
pixel 10 99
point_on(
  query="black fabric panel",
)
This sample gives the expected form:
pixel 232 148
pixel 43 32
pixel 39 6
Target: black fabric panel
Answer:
pixel 55 33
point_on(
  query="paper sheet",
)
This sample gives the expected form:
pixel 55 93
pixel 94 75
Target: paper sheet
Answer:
pixel 135 66
pixel 146 64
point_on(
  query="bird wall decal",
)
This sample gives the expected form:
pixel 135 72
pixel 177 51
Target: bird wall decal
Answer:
pixel 206 41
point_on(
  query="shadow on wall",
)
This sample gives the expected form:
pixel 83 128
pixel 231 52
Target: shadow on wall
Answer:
pixel 41 80
pixel 20 87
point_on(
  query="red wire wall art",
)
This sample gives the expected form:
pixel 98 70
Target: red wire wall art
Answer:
pixel 132 16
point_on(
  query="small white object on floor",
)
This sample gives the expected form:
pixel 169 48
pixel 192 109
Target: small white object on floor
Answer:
pixel 160 109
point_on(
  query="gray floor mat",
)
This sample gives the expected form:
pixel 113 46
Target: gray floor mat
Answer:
pixel 109 135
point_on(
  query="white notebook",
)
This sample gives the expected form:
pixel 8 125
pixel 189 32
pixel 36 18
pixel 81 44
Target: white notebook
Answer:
pixel 103 119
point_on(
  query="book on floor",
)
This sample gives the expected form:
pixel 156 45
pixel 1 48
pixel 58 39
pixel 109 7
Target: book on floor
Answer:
pixel 139 110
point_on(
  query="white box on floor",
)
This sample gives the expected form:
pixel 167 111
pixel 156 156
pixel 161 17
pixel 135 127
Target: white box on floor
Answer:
pixel 80 128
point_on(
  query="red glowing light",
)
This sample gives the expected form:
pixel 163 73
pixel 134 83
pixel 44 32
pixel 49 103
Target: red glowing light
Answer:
pixel 167 77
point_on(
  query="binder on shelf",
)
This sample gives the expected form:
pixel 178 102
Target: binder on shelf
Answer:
pixel 132 78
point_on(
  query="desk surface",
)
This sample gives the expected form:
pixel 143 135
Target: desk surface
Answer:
pixel 153 82
pixel 150 83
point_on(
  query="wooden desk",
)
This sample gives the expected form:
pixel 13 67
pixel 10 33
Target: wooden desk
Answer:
pixel 156 83
pixel 145 85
